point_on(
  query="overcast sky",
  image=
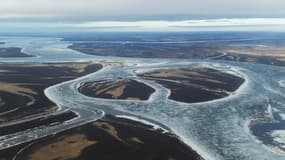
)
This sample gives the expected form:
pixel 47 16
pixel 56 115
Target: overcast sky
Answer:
pixel 141 15
pixel 92 9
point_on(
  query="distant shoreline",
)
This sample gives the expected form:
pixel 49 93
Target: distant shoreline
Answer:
pixel 11 52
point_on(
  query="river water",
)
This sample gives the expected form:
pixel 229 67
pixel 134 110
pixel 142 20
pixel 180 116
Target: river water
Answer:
pixel 230 128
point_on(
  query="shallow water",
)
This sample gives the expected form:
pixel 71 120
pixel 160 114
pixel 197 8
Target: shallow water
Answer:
pixel 219 129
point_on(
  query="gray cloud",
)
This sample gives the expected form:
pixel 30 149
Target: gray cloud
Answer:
pixel 234 24
pixel 123 8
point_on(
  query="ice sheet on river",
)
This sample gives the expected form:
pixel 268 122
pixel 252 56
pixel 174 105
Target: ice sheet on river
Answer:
pixel 219 129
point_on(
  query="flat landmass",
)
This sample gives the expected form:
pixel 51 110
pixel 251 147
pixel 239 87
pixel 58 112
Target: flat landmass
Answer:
pixel 254 53
pixel 262 54
pixel 147 50
pixel 108 139
pixel 194 85
pixel 117 89
pixel 22 93
pixel 12 52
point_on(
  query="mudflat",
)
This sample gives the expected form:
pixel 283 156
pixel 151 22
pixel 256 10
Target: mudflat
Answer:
pixel 22 93
pixel 194 85
pixel 117 89
pixel 108 139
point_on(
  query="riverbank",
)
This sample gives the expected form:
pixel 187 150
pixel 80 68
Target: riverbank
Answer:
pixel 110 138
